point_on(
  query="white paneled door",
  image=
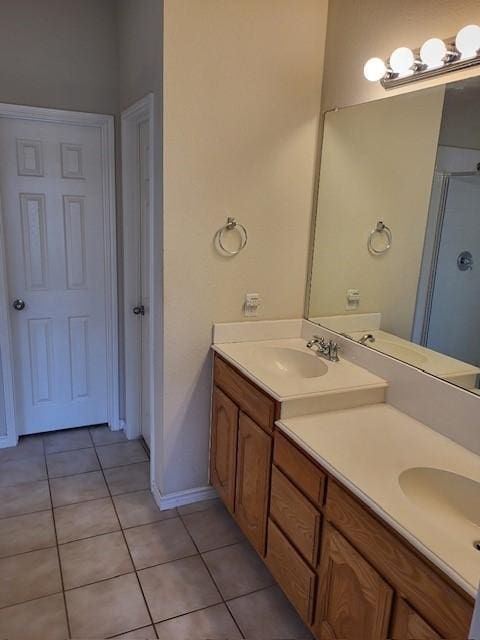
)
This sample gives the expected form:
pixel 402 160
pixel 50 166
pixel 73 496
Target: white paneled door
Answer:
pixel 53 203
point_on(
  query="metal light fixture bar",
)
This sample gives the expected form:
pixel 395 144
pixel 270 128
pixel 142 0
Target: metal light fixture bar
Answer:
pixel 421 72
pixel 435 57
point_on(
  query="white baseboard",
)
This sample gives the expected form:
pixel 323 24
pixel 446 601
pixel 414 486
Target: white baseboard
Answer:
pixel 8 441
pixel 122 426
pixel 179 498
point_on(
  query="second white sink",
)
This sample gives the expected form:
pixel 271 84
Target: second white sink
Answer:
pixel 440 492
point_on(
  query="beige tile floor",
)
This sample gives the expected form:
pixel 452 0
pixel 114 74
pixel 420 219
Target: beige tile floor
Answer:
pixel 86 554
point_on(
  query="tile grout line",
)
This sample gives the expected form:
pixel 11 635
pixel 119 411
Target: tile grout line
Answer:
pixel 122 529
pixel 27 513
pixel 24 553
pixel 187 613
pixel 57 544
pixel 128 548
pixel 67 617
pixel 211 577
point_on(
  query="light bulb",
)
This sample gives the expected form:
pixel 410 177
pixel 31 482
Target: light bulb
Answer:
pixel 468 41
pixel 433 52
pixel 374 69
pixel 402 60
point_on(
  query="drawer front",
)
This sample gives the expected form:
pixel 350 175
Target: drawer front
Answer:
pixel 251 400
pixel 433 598
pixel 293 575
pixel 299 469
pixel 295 516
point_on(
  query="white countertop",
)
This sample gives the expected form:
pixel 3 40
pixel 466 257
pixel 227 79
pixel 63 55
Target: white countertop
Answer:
pixel 251 359
pixel 367 448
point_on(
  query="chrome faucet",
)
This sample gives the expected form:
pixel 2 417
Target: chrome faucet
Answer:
pixel 328 350
pixel 368 337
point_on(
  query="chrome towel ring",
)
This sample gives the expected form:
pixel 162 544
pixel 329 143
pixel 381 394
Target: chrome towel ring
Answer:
pixel 232 225
pixel 380 228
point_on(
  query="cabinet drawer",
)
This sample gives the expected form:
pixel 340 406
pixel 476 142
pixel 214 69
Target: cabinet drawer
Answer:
pixel 434 599
pixel 299 469
pixel 295 516
pixel 251 400
pixel 291 572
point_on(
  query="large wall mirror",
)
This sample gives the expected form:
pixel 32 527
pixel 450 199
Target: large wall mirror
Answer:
pixel 396 261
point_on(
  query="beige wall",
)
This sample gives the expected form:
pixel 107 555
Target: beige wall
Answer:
pixel 59 54
pixel 360 29
pixel 242 95
pixel 140 50
pixel 377 163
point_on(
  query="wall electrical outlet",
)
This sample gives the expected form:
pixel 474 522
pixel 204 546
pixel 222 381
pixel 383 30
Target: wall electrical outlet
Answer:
pixel 353 299
pixel 252 302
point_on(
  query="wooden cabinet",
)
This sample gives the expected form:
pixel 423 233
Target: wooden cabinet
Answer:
pixel 409 625
pixel 223 449
pixel 369 582
pixel 412 577
pixel 241 450
pixel 254 456
pixel 363 563
pixel 353 600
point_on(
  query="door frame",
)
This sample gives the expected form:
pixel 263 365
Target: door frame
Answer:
pixel 10 438
pixel 106 125
pixel 131 117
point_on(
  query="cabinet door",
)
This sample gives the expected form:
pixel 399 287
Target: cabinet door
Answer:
pixel 253 481
pixel 223 451
pixel 353 600
pixel 409 625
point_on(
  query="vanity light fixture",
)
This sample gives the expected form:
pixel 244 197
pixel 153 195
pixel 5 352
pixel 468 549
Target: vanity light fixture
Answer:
pixel 434 57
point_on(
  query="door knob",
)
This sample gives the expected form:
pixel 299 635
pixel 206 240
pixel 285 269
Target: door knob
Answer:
pixel 19 304
pixel 465 261
pixel 139 311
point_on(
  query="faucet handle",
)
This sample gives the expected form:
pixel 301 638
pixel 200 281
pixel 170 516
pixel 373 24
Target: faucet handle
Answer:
pixel 333 349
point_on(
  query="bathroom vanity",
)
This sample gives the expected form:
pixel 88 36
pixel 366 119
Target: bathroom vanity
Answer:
pixel 314 485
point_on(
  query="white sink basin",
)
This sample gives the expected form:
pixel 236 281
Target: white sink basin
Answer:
pixel 443 494
pixel 291 363
pixel 399 351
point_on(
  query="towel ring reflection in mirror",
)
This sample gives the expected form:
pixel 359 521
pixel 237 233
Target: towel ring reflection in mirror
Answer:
pixel 232 225
pixel 381 228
